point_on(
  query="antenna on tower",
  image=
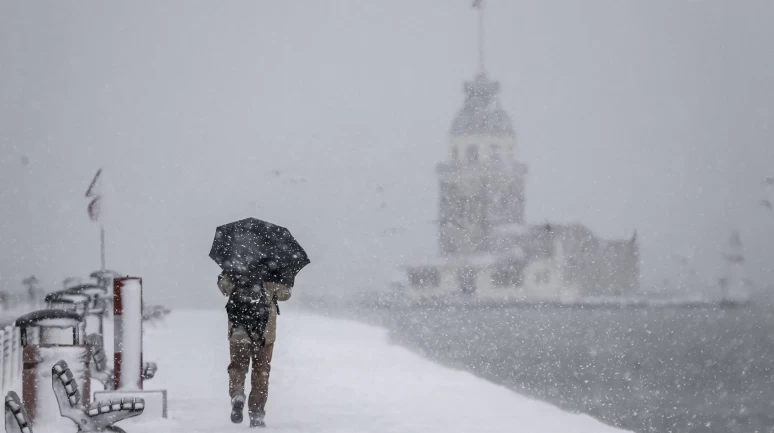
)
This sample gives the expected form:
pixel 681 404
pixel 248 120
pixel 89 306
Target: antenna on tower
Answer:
pixel 479 4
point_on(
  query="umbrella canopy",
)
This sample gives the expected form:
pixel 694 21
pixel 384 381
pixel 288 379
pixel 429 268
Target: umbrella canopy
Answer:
pixel 252 250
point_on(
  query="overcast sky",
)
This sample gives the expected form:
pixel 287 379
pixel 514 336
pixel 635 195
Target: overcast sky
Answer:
pixel 649 115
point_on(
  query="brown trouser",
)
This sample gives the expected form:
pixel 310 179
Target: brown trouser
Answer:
pixel 243 348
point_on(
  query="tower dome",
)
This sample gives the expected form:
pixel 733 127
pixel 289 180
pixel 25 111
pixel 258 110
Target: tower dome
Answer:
pixel 481 114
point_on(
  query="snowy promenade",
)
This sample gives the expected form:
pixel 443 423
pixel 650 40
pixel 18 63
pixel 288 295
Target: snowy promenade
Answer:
pixel 334 376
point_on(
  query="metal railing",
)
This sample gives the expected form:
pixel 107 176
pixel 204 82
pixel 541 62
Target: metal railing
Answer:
pixel 11 360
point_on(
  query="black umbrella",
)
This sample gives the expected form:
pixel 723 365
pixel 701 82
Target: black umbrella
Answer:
pixel 252 250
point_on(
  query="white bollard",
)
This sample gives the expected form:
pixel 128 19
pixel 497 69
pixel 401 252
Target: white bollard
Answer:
pixel 127 338
pixel 96 306
pixel 127 348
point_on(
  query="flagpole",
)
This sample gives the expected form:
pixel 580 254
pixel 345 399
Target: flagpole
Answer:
pixel 480 6
pixel 94 192
pixel 102 245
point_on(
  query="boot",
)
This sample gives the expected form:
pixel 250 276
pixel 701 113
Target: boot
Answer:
pixel 256 418
pixel 237 408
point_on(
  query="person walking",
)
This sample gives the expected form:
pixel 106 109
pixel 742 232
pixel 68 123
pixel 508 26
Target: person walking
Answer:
pixel 252 310
pixel 259 262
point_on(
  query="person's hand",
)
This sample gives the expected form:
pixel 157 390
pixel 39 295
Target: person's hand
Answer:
pixel 225 285
pixel 277 291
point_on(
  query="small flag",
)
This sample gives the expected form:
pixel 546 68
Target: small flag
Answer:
pixel 95 193
pixel 95 209
pixel 94 186
pixel 478 4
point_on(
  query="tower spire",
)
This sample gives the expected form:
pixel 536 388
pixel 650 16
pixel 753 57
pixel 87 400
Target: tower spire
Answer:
pixel 479 4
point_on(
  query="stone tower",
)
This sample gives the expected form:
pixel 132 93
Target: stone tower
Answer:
pixel 481 184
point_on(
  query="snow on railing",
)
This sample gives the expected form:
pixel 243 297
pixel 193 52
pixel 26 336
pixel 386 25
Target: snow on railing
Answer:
pixel 11 360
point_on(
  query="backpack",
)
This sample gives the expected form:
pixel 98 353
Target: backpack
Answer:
pixel 249 307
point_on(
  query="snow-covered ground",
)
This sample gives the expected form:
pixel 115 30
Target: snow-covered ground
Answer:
pixel 334 376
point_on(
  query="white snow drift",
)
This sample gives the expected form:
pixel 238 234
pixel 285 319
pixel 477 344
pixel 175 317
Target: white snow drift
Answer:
pixel 335 376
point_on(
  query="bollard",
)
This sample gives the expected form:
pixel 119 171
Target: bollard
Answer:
pixel 127 313
pixel 48 336
pixel 95 308
pixel 94 328
pixel 66 300
pixel 105 280
pixel 75 302
pixel 99 368
pixel 127 348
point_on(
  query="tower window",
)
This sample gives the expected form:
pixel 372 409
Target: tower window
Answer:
pixel 543 277
pixel 424 277
pixel 472 153
pixel 508 274
pixel 495 152
pixel 467 279
pixel 504 203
